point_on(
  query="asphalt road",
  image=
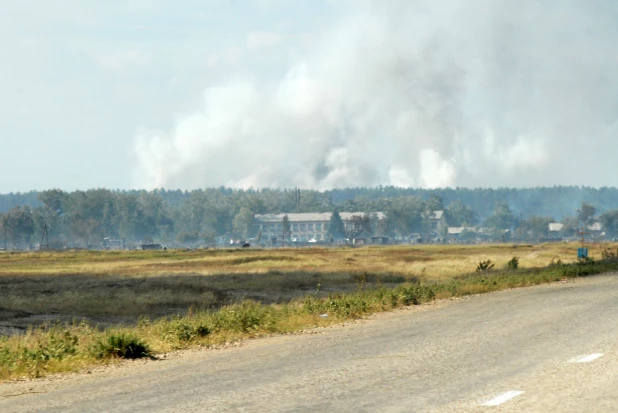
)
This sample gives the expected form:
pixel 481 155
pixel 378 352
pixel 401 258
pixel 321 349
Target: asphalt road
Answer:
pixel 551 348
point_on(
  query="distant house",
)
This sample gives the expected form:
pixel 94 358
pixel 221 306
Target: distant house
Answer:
pixel 114 244
pixel 555 228
pixel 555 231
pixel 459 230
pixel 304 227
pixel 595 230
pixel 455 233
pixel 438 221
pixel 379 240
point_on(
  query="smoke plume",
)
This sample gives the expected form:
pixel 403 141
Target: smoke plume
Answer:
pixel 414 93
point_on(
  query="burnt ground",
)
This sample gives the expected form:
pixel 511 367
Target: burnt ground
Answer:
pixel 100 300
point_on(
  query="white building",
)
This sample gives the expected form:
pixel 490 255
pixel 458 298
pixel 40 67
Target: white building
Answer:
pixel 304 227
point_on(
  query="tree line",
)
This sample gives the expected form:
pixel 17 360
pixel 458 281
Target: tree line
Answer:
pixel 83 218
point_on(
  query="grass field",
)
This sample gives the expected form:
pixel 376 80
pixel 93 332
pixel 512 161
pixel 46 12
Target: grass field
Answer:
pixel 69 303
pixel 434 261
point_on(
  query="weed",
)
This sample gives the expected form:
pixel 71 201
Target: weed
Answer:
pixel 184 330
pixel 125 346
pixel 247 317
pixel 513 264
pixel 555 263
pixel 484 266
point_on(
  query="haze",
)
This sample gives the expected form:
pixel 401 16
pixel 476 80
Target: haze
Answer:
pixel 314 94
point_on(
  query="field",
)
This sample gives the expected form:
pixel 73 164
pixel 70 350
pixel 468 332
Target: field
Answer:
pixel 116 287
pixel 59 309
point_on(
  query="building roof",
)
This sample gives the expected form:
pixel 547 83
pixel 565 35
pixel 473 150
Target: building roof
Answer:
pixel 310 216
pixel 459 230
pixel 555 227
pixel 437 215
pixel 595 227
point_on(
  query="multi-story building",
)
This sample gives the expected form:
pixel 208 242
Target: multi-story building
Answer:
pixel 304 227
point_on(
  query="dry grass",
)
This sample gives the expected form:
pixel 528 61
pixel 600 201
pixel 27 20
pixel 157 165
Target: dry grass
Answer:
pixel 116 287
pixel 68 303
pixel 432 261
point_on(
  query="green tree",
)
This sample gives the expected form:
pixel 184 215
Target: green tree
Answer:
pixel 336 226
pixel 286 227
pixel 244 222
pixel 502 219
pixel 609 220
pixel 18 226
pixel 571 226
pixel 535 227
pixel 405 216
pixel 359 224
pixel 586 213
pixel 459 214
pixel 188 238
pixel 435 203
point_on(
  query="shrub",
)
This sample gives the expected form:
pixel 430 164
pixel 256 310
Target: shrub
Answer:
pixel 484 266
pixel 249 316
pixel 513 264
pixel 184 331
pixel 124 346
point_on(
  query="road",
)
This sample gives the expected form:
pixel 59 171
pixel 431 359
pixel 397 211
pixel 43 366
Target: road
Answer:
pixel 551 348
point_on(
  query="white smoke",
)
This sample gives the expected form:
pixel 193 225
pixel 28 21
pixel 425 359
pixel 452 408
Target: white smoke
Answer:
pixel 427 93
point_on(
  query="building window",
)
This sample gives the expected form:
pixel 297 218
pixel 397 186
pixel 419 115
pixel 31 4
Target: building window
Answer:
pixel 303 227
pixel 318 226
pixel 303 237
pixel 294 227
pixel 310 226
pixel 318 237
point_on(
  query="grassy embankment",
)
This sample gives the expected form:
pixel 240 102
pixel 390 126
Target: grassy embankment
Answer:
pixel 136 303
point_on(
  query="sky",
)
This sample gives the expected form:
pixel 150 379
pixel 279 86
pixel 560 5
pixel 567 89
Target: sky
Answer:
pixel 310 93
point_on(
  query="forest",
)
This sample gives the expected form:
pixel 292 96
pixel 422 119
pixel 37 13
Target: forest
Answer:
pixel 207 216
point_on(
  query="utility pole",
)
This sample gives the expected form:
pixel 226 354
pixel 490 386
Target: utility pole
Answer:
pixel 583 238
pixel 521 227
pixel 45 237
pixel 582 253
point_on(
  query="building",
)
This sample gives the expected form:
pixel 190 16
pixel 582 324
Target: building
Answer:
pixel 114 244
pixel 438 222
pixel 555 232
pixel 595 230
pixel 461 233
pixel 304 227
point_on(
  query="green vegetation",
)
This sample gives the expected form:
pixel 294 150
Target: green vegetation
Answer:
pixel 309 301
pixel 123 345
pixel 215 215
pixel 485 266
pixel 513 264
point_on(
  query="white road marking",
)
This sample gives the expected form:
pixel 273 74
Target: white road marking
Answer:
pixel 503 398
pixel 586 359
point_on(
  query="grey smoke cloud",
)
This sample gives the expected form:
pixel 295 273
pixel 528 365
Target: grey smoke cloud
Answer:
pixel 414 93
